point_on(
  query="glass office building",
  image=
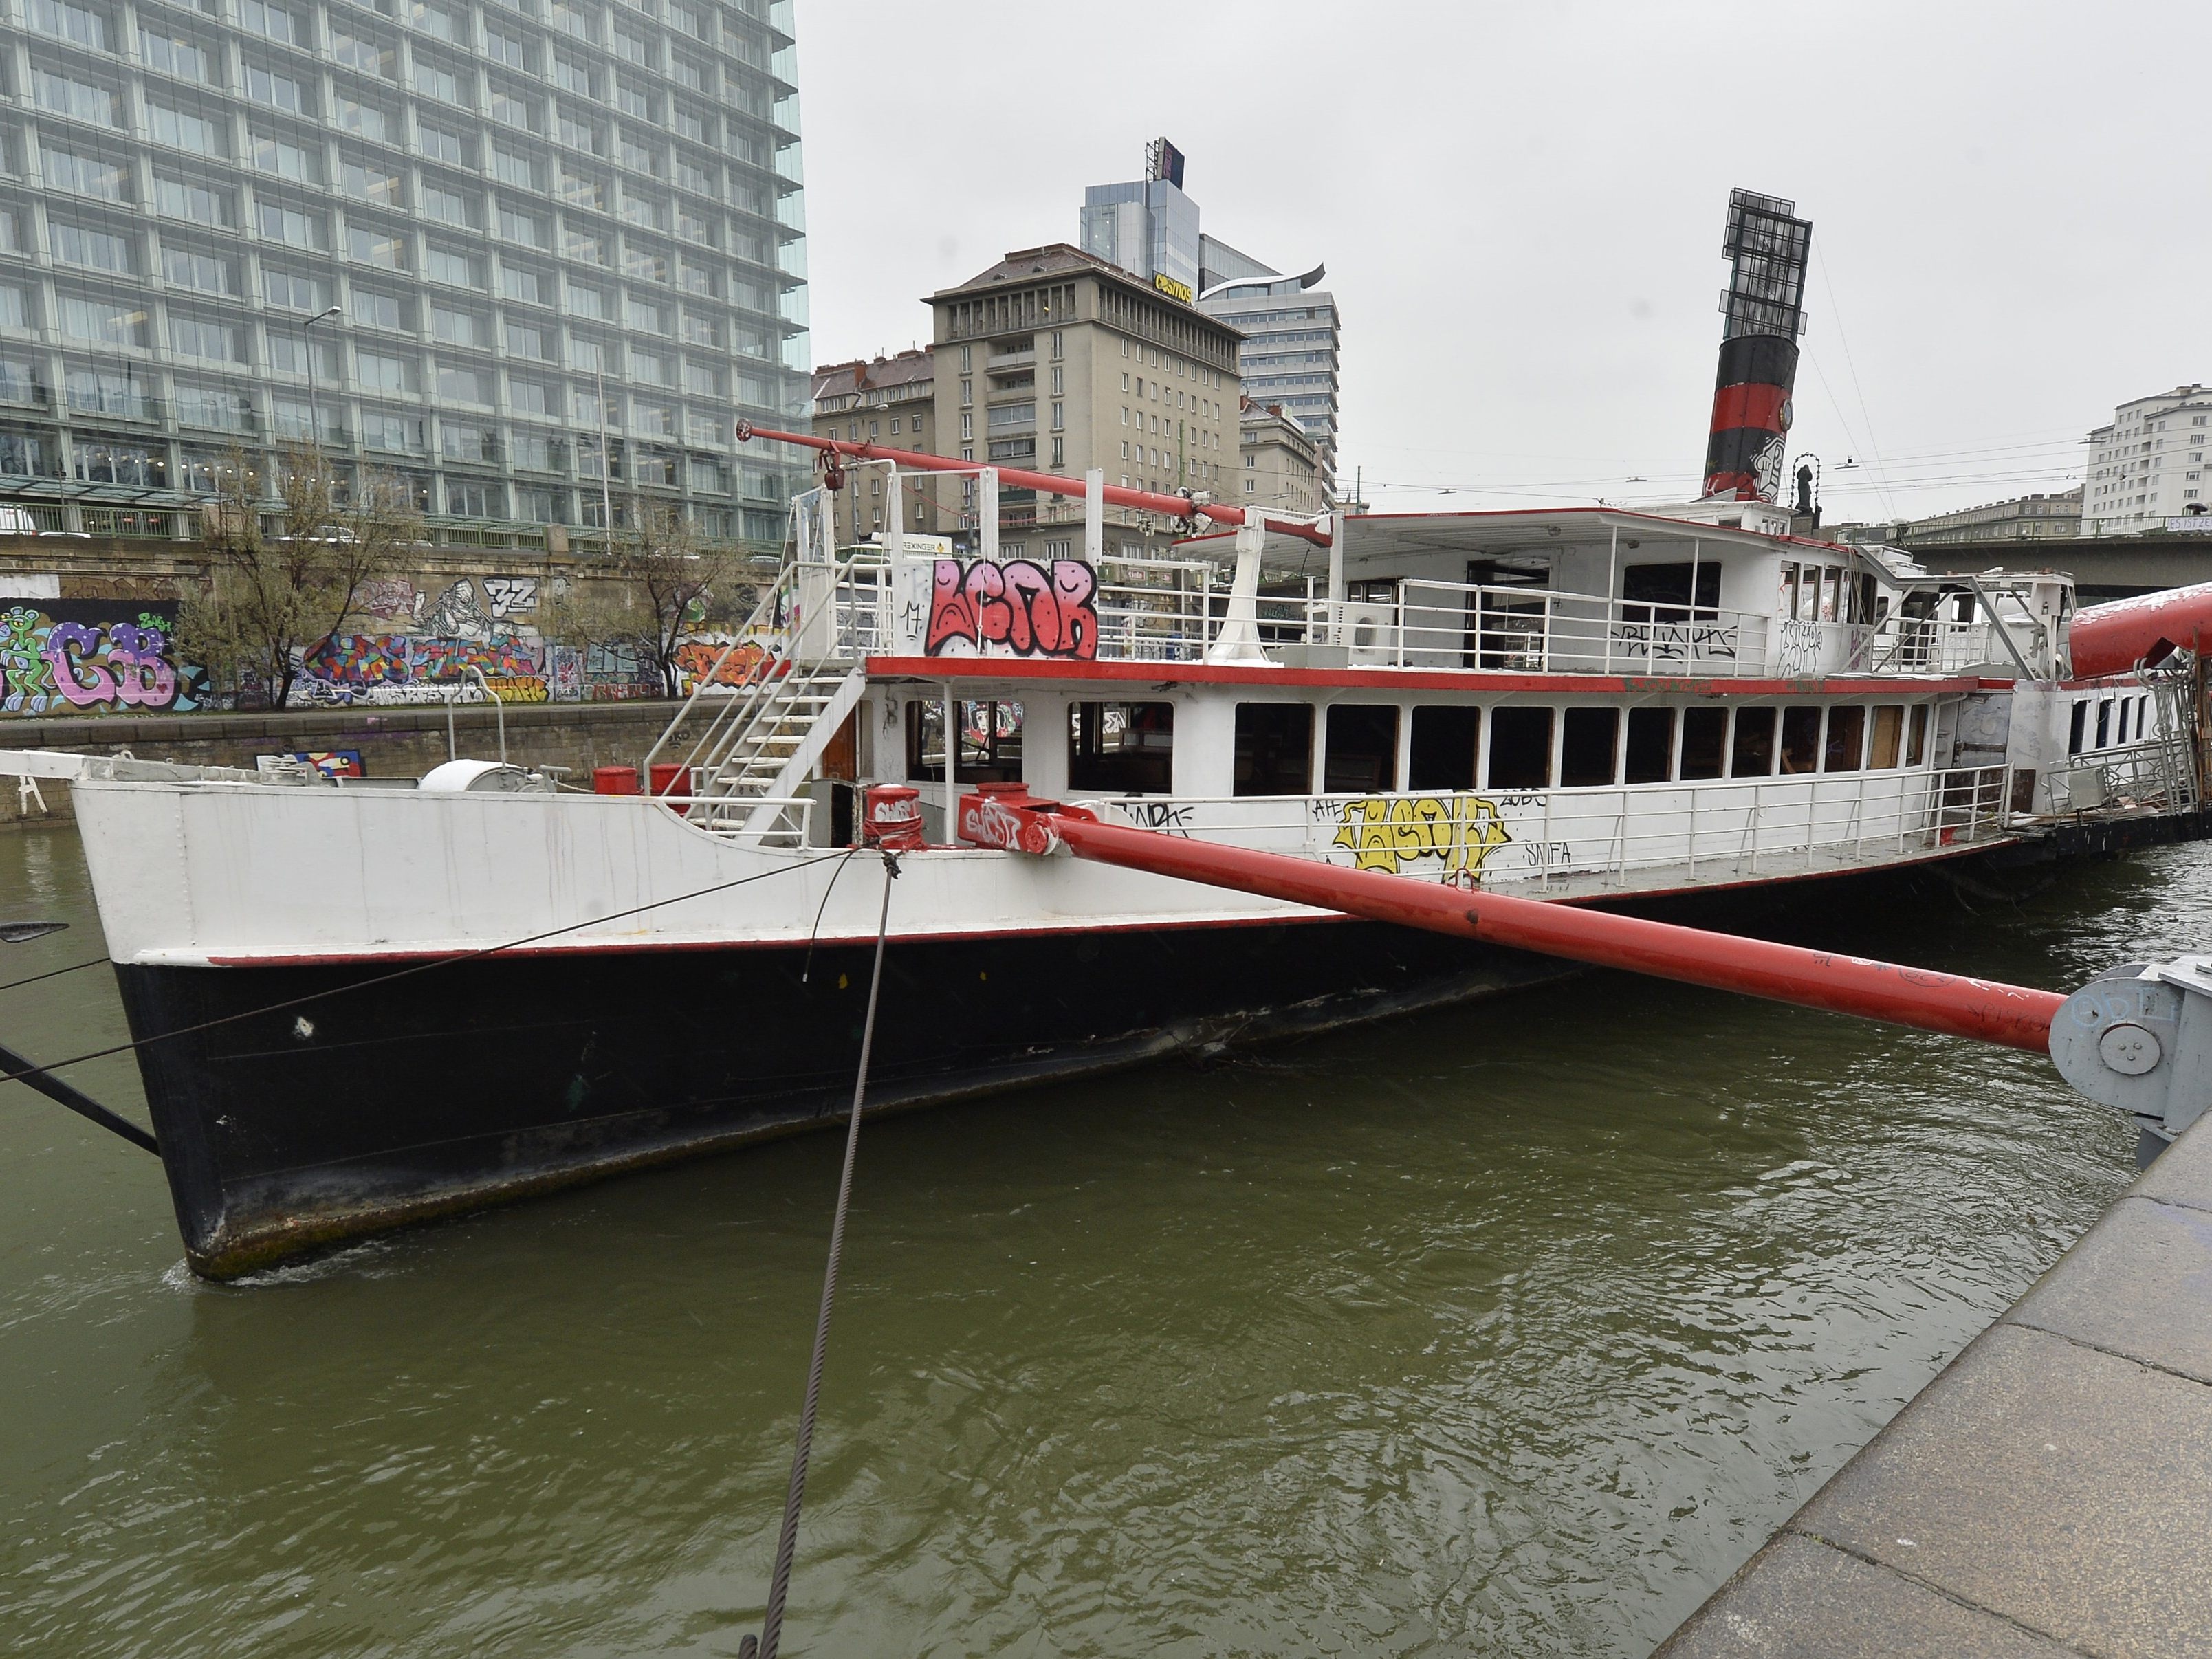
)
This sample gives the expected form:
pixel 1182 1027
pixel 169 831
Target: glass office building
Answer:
pixel 492 246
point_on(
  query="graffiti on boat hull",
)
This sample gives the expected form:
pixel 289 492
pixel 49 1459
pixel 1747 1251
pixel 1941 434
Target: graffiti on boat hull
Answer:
pixel 1388 832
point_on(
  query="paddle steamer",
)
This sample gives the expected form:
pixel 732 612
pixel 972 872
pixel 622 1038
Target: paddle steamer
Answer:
pixel 1593 706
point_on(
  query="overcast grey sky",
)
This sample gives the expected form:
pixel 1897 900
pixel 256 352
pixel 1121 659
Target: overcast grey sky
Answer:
pixel 1521 210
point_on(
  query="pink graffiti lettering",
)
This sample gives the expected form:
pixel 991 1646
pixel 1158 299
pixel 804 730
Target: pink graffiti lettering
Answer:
pixel 143 676
pixel 1020 606
pixel 83 682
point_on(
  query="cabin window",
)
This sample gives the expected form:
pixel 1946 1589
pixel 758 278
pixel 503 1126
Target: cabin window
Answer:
pixel 1586 747
pixel 1867 606
pixel 990 742
pixel 1274 748
pixel 1846 739
pixel 1361 757
pixel 1443 757
pixel 1831 581
pixel 2104 723
pixel 1801 737
pixel 1888 737
pixel 1752 754
pixel 1121 748
pixel 1669 586
pixel 2120 732
pixel 1650 755
pixel 1785 598
pixel 1705 742
pixel 1520 748
pixel 1808 593
pixel 1917 745
pixel 2080 727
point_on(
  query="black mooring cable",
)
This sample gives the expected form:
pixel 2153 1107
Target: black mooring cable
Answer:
pixel 36 1071
pixel 787 1543
pixel 55 973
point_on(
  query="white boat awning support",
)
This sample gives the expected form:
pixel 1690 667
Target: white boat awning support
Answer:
pixel 1239 638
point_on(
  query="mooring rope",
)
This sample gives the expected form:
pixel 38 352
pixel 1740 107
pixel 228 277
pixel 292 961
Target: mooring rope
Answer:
pixel 407 973
pixel 787 1543
pixel 55 973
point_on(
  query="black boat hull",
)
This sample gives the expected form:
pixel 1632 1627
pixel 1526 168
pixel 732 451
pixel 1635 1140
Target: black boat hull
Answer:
pixel 468 1084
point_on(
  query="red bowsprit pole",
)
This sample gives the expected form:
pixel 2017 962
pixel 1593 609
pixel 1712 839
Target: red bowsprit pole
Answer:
pixel 2012 1015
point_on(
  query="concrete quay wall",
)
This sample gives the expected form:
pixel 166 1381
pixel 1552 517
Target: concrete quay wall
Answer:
pixel 2049 1493
pixel 393 742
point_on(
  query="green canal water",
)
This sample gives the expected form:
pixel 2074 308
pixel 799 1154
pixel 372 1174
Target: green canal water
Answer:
pixel 1508 1330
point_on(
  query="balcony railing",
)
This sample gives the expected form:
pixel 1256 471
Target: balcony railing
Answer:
pixel 1536 630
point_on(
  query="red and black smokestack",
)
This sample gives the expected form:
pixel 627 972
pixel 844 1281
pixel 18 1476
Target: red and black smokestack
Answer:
pixel 1764 306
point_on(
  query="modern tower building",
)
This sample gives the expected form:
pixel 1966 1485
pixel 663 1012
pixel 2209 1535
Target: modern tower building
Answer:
pixel 1292 344
pixel 492 245
pixel 1292 339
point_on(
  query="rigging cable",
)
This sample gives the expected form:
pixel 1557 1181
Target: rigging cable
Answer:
pixel 787 1543
pixel 32 1075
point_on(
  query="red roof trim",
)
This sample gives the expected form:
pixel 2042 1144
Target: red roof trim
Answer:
pixel 1375 679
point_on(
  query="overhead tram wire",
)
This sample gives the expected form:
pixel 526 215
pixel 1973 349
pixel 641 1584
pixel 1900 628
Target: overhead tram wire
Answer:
pixel 45 1070
pixel 1836 311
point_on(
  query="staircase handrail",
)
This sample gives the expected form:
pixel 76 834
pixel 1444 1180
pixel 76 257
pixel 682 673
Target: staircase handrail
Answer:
pixel 742 711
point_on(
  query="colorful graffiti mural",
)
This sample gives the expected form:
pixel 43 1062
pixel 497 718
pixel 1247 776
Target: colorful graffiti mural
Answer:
pixel 87 657
pixel 697 659
pixel 434 635
pixel 333 763
pixel 1385 832
pixel 1019 609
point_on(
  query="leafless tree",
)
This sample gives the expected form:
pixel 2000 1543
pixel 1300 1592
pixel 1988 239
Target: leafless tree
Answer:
pixel 284 574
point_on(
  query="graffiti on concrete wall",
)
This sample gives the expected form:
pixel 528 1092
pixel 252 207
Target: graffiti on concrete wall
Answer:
pixel 422 641
pixel 1387 832
pixel 86 658
pixel 698 660
pixel 1019 609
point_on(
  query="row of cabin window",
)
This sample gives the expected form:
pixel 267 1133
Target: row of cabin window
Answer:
pixel 1128 748
pixel 2124 719
pixel 1825 593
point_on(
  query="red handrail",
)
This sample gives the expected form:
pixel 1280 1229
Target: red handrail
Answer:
pixel 2012 1015
pixel 1148 501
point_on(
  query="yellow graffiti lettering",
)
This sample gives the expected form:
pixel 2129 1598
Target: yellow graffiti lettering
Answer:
pixel 1384 831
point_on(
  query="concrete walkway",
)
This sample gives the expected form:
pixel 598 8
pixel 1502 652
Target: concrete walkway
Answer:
pixel 2049 1493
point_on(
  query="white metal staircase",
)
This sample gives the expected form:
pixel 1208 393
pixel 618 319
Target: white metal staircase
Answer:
pixel 746 769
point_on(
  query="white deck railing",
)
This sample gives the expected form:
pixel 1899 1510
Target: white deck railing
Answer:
pixel 1702 830
pixel 1172 610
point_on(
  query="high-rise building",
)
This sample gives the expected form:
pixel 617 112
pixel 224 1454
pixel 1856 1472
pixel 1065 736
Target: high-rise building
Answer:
pixel 491 245
pixel 1292 344
pixel 1292 338
pixel 2148 465
pixel 1056 361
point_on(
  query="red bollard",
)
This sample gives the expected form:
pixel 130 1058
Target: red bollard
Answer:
pixel 893 818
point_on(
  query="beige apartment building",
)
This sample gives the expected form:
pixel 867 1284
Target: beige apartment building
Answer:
pixel 1280 466
pixel 884 400
pixel 1055 361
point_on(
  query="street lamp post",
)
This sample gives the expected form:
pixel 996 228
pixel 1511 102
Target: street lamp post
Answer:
pixel 307 334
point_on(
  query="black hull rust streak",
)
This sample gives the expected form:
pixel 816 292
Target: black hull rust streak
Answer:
pixel 490 1080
